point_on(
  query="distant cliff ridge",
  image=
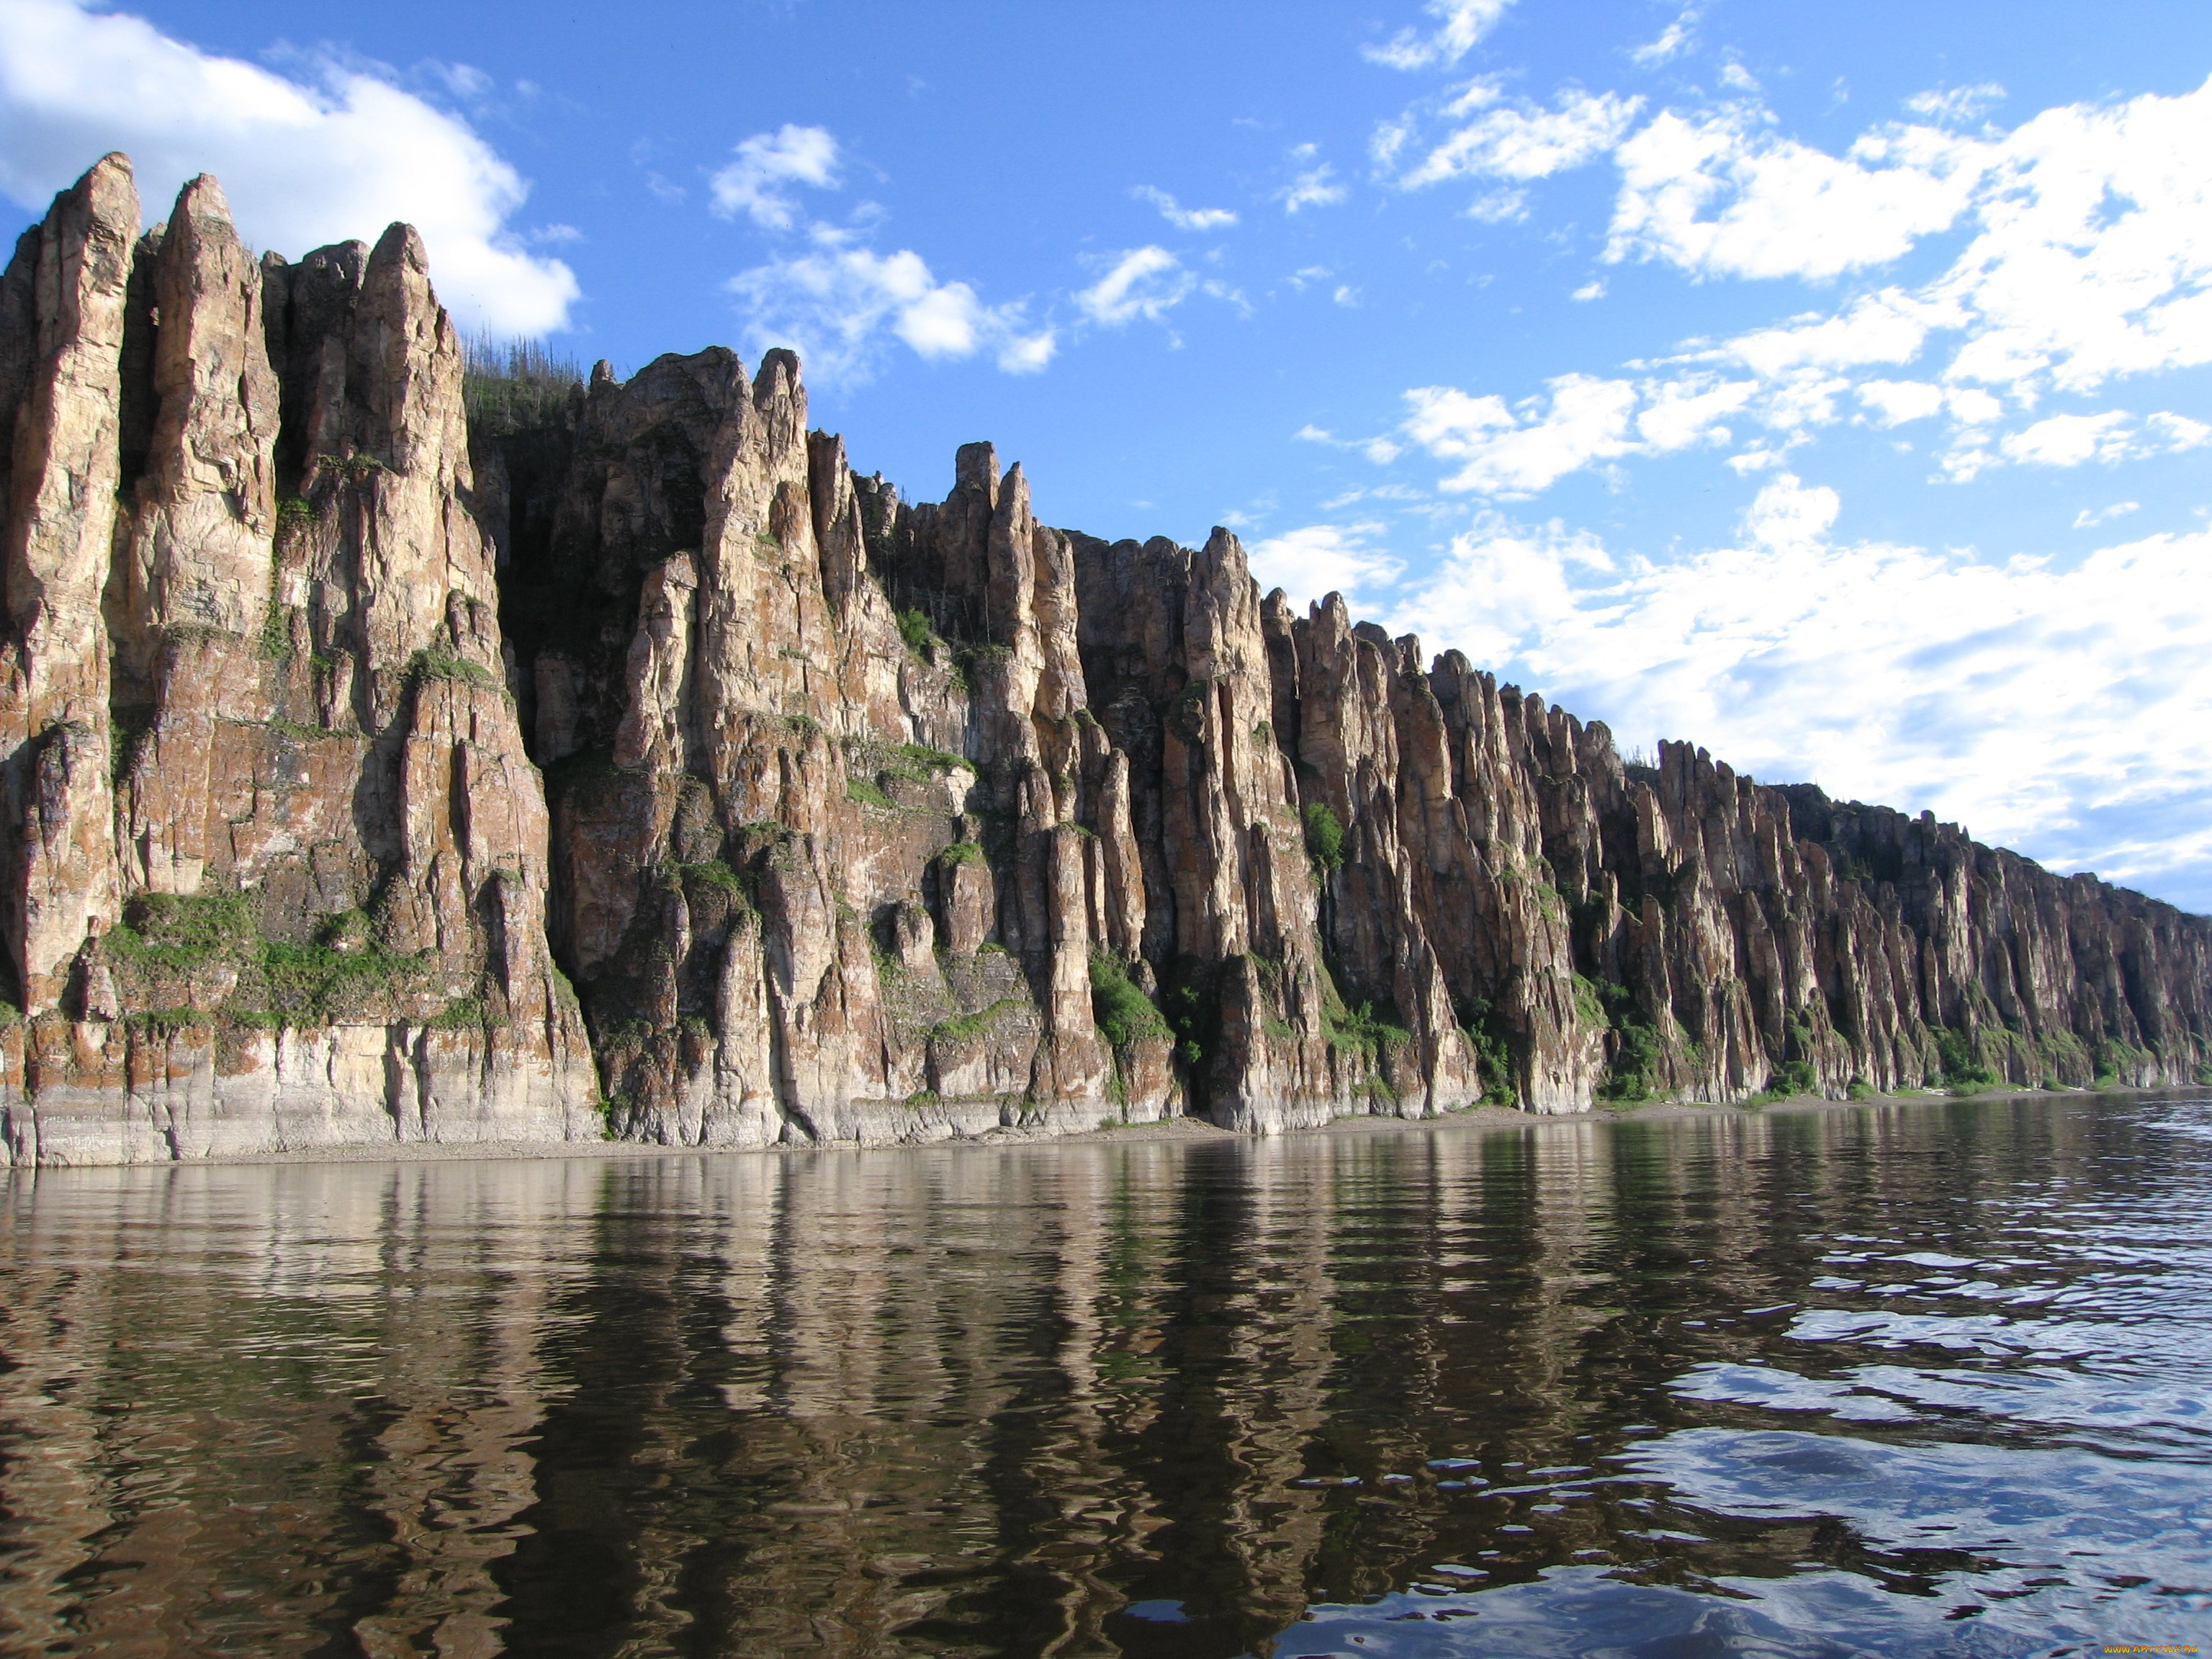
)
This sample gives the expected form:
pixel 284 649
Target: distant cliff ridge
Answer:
pixel 629 765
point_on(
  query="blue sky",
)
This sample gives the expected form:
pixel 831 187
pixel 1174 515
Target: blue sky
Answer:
pixel 1829 384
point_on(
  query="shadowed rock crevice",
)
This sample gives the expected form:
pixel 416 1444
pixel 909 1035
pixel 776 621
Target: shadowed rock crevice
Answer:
pixel 398 746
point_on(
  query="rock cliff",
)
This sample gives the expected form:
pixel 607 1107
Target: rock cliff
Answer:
pixel 620 760
pixel 274 851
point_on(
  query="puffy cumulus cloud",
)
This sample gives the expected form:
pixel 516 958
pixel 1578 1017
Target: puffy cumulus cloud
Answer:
pixel 1198 221
pixel 1677 414
pixel 1513 453
pixel 1460 25
pixel 2092 257
pixel 1915 678
pixel 2110 436
pixel 1517 141
pixel 1889 326
pixel 303 162
pixel 2091 248
pixel 1518 450
pixel 1893 403
pixel 835 303
pixel 2087 259
pixel 1785 516
pixel 1144 282
pixel 754 183
pixel 1720 194
pixel 1311 562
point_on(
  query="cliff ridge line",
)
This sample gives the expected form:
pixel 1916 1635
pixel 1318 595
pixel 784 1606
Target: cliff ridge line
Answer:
pixel 620 761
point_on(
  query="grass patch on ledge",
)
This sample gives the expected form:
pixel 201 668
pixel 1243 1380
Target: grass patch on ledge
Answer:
pixel 280 984
pixel 1361 1030
pixel 963 1026
pixel 713 874
pixel 868 792
pixel 429 665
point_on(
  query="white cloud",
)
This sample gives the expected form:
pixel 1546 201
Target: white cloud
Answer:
pixel 1886 327
pixel 837 301
pixel 303 163
pixel 1460 24
pixel 1959 104
pixel 2071 440
pixel 1757 458
pixel 1764 652
pixel 1314 187
pixel 1895 402
pixel 1145 282
pixel 833 302
pixel 2094 257
pixel 463 80
pixel 2092 250
pixel 1592 289
pixel 1517 451
pixel 2089 257
pixel 1672 41
pixel 1677 414
pixel 1317 560
pixel 753 184
pixel 1508 452
pixel 1380 450
pixel 1196 220
pixel 1499 207
pixel 1786 517
pixel 1522 142
pixel 2086 520
pixel 1720 195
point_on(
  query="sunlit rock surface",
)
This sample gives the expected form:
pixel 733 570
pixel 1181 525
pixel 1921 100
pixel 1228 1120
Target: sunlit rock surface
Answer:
pixel 620 761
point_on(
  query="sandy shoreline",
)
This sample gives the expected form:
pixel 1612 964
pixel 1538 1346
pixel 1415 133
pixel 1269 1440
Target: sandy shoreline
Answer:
pixel 1482 1119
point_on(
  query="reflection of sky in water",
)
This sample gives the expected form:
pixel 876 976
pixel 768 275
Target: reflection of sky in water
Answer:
pixel 2029 1474
pixel 2003 1552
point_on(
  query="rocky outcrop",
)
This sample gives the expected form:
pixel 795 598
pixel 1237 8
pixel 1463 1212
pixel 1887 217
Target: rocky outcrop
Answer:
pixel 277 855
pixel 346 732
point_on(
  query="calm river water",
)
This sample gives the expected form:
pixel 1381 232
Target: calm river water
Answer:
pixel 1928 1380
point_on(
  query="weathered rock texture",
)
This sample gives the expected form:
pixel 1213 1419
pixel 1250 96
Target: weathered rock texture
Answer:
pixel 274 853
pixel 334 724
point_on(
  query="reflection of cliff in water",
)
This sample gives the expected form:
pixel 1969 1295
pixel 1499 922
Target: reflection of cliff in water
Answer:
pixel 855 1403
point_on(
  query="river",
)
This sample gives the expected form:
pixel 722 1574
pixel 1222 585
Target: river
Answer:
pixel 1929 1379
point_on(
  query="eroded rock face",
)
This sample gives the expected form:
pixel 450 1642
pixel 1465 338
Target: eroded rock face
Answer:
pixel 351 739
pixel 246 586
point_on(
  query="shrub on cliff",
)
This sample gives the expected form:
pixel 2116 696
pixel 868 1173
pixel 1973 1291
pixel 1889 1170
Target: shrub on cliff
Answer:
pixel 1962 1066
pixel 1123 1012
pixel 1324 837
